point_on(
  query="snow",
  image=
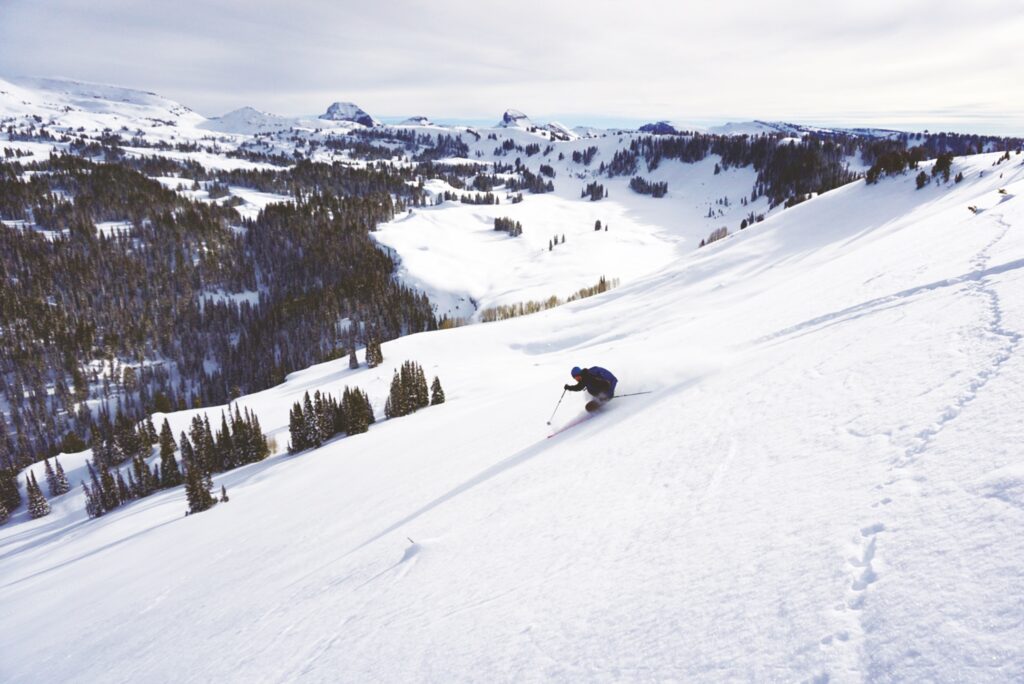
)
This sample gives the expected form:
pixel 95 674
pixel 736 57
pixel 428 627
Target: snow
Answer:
pixel 113 228
pixel 513 118
pixel 246 296
pixel 255 201
pixel 825 484
pixel 249 121
pixel 23 226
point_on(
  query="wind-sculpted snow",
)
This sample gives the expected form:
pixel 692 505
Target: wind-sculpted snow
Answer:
pixel 825 483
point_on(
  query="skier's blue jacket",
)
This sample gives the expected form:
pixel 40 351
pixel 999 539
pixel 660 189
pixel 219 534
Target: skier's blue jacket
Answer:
pixel 598 381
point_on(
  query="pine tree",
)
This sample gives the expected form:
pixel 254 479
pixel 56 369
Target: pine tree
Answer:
pixel 223 494
pixel 170 475
pixel 37 504
pixel 95 492
pixel 297 429
pixel 109 492
pixel 367 407
pixel 124 494
pixel 143 477
pixel 374 354
pixel 225 445
pixel 396 405
pixel 353 361
pixel 214 461
pixel 10 492
pixel 3 513
pixel 93 508
pixel 357 409
pixel 259 449
pixel 197 491
pixel 436 392
pixel 150 431
pixel 51 477
pixel 420 391
pixel 134 488
pixel 63 487
pixel 324 416
pixel 313 438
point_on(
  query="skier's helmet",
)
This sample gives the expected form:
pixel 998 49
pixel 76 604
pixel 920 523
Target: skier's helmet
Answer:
pixel 576 372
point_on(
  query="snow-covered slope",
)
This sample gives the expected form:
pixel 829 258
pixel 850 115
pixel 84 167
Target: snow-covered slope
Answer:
pixel 825 484
pixel 49 96
pixel 249 121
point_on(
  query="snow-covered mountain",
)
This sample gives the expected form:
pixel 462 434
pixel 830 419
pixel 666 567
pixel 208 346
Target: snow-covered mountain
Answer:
pixel 560 131
pixel 347 111
pixel 75 103
pixel 249 121
pixel 811 472
pixel 513 118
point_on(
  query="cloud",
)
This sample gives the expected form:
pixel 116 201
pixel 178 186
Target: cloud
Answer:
pixel 647 60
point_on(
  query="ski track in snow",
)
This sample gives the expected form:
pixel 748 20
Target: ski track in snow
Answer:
pixel 863 563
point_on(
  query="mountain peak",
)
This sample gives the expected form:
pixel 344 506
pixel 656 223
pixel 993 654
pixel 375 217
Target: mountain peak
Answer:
pixel 513 118
pixel 348 111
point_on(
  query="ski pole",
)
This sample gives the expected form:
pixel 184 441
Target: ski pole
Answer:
pixel 556 406
pixel 632 394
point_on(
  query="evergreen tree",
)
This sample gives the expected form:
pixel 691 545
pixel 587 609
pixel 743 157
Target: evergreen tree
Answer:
pixel 436 392
pixel 150 431
pixel 51 477
pixel 63 487
pixel 258 449
pixel 37 504
pixel 95 492
pixel 420 392
pixel 313 438
pixel 197 490
pixel 395 406
pixel 134 488
pixel 223 494
pixel 353 361
pixel 297 430
pixel 109 492
pixel 225 445
pixel 355 404
pixel 374 353
pixel 170 475
pixel 93 508
pixel 214 460
pixel 143 477
pixel 3 513
pixel 10 492
pixel 124 494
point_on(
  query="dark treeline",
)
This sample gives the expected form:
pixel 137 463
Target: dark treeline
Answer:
pixel 139 315
pixel 790 170
pixel 643 186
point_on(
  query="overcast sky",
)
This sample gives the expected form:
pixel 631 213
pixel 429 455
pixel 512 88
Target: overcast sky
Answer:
pixel 956 65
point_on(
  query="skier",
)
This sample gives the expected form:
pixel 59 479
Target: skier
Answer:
pixel 596 380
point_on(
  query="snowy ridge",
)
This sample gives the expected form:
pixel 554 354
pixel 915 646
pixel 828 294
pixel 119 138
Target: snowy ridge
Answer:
pixel 49 96
pixel 513 118
pixel 823 485
pixel 249 121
